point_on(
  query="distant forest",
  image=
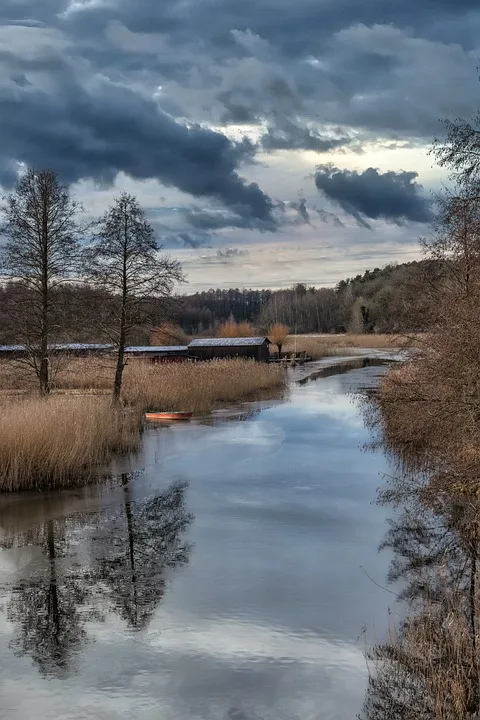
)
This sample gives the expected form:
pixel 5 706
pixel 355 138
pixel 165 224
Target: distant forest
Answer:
pixel 380 300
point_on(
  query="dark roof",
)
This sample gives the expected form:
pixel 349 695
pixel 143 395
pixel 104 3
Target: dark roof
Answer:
pixel 70 347
pixel 157 349
pixel 60 346
pixel 227 342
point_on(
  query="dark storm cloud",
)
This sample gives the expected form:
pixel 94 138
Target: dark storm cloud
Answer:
pixel 77 78
pixel 108 128
pixel 297 28
pixel 392 196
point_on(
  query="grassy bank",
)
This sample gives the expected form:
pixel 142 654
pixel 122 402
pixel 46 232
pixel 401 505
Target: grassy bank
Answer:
pixel 61 441
pixel 320 346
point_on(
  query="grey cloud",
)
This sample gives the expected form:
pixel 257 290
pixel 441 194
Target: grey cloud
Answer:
pixel 228 253
pixel 328 217
pixel 300 206
pixel 291 136
pixel 373 65
pixel 188 240
pixel 76 87
pixel 392 196
pixel 99 129
pixel 212 220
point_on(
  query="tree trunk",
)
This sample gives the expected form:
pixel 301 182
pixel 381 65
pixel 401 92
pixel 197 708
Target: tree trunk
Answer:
pixel 53 609
pixel 43 374
pixel 131 545
pixel 117 385
pixel 279 346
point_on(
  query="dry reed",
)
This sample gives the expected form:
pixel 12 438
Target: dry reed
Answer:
pixel 65 439
pixel 320 346
pixel 198 387
pixel 60 441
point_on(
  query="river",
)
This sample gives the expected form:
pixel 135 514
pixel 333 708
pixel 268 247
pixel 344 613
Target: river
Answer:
pixel 230 574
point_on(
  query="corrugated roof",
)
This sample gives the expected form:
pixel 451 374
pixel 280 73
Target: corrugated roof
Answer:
pixel 97 346
pixel 60 346
pixel 157 348
pixel 227 342
pixel 82 346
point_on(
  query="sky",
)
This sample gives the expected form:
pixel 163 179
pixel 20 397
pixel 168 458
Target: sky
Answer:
pixel 269 141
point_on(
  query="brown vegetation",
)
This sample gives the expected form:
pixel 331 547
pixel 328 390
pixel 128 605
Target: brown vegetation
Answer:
pixel 61 441
pixel 277 334
pixel 172 386
pixel 231 329
pixel 168 334
pixel 198 387
pixel 427 414
pixel 322 346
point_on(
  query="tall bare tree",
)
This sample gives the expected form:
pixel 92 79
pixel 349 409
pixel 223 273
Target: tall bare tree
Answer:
pixel 40 254
pixel 124 260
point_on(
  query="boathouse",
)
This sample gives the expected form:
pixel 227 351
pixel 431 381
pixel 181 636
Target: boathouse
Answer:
pixel 255 348
pixel 159 353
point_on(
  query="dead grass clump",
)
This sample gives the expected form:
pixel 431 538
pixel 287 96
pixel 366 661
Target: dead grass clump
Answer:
pixel 89 374
pixel 17 377
pixel 321 346
pixel 60 441
pixel 197 387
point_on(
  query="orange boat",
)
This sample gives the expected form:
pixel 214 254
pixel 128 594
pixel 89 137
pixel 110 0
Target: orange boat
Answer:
pixel 163 416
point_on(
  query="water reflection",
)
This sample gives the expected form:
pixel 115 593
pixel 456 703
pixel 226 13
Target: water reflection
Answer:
pixel 135 546
pixel 127 547
pixel 48 606
pixel 264 621
pixel 429 667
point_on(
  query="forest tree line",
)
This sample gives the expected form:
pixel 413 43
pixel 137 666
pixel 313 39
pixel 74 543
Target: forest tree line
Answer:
pixel 379 300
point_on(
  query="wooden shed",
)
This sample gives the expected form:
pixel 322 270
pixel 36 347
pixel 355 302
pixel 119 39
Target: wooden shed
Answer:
pixel 159 353
pixel 255 348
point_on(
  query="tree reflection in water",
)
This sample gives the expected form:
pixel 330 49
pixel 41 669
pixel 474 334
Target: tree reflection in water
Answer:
pixel 127 548
pixel 138 543
pixel 48 608
pixel 428 668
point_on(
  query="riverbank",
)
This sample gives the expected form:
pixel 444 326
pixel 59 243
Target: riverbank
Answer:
pixel 323 346
pixel 64 439
pixel 257 586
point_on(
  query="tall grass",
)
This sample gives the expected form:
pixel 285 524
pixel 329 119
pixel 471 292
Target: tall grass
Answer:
pixel 60 441
pixel 198 387
pixel 321 346
pixel 64 440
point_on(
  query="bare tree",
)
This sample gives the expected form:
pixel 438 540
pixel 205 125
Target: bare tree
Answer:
pixel 124 260
pixel 40 254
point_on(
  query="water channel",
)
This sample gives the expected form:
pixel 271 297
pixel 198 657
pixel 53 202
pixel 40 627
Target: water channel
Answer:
pixel 231 576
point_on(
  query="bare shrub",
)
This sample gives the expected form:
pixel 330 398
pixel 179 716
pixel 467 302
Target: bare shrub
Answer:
pixel 168 334
pixel 277 334
pixel 231 329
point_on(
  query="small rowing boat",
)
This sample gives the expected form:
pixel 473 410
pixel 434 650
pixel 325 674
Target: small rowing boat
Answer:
pixel 163 416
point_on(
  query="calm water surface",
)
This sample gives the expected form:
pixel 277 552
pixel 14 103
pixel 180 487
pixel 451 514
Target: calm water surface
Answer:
pixel 227 581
